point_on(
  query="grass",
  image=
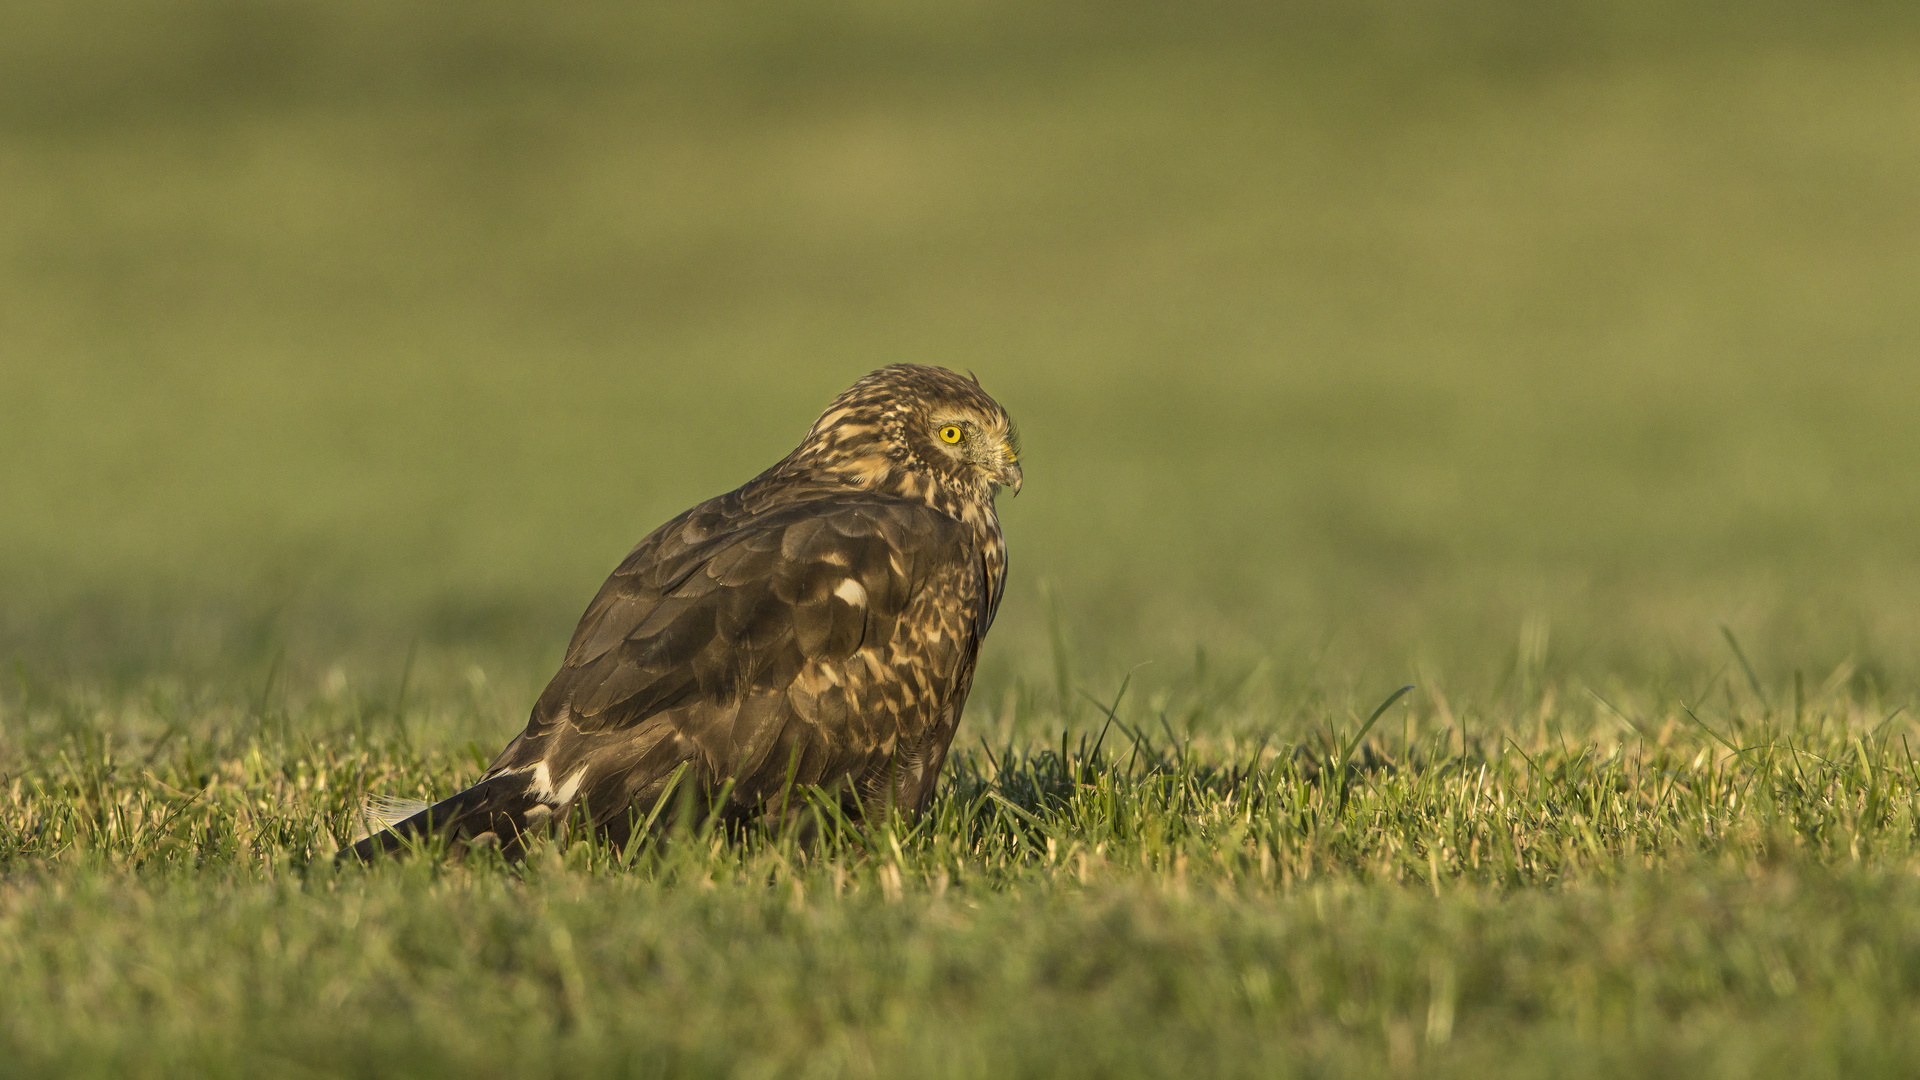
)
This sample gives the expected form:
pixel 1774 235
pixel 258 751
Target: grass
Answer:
pixel 1655 892
pixel 1556 362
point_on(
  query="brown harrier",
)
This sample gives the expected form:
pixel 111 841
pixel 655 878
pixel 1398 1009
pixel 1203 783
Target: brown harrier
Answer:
pixel 817 626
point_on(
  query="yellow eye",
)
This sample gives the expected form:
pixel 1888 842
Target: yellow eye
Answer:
pixel 951 433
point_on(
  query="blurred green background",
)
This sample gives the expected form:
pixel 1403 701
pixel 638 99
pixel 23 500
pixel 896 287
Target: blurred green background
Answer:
pixel 1370 339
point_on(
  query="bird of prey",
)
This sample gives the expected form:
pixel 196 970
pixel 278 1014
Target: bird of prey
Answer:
pixel 817 626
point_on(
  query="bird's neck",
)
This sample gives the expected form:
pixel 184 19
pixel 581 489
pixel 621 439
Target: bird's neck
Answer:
pixel 881 475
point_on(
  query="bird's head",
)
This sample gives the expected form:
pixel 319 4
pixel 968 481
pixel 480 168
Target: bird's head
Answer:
pixel 921 431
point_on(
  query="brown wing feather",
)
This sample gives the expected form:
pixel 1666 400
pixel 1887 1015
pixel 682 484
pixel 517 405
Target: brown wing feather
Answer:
pixel 824 639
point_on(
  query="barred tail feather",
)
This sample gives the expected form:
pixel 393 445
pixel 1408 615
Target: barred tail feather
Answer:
pixel 499 810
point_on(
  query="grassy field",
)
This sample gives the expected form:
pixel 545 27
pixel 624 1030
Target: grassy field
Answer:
pixel 1560 364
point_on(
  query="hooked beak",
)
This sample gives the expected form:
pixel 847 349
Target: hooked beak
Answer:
pixel 1009 476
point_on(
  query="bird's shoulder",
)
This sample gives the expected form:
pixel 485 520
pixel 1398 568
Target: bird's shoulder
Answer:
pixel 748 538
pixel 741 592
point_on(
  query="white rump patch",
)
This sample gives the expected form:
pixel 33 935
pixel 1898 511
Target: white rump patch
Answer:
pixel 570 788
pixel 540 785
pixel 852 592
